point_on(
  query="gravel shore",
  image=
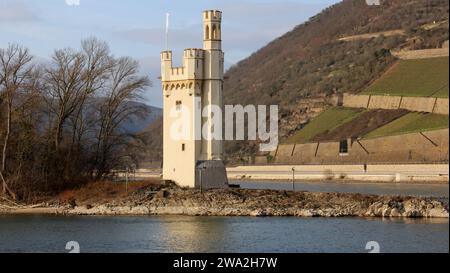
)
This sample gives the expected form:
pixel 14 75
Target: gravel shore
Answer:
pixel 172 200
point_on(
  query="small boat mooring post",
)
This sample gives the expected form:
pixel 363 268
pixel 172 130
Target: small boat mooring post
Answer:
pixel 293 178
pixel 126 179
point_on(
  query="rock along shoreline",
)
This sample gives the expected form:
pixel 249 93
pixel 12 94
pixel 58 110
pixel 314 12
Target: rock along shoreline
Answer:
pixel 171 200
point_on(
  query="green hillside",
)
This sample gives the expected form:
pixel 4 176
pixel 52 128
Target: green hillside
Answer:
pixel 325 122
pixel 411 123
pixel 415 78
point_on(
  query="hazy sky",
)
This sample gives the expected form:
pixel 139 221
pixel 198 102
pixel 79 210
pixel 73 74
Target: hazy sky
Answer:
pixel 136 27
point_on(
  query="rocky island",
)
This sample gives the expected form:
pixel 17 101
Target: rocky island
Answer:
pixel 169 199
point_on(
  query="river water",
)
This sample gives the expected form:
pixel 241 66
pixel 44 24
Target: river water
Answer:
pixel 235 234
pixel 220 234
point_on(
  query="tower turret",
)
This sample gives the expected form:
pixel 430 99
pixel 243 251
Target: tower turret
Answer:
pixel 193 63
pixel 212 25
pixel 212 79
pixel 166 65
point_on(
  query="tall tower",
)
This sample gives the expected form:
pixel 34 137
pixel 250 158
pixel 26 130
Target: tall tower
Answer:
pixel 191 158
pixel 213 78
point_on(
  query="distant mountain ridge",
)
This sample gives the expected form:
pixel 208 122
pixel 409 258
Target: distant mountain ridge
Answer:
pixel 137 125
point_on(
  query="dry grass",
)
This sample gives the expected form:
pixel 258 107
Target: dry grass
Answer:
pixel 104 191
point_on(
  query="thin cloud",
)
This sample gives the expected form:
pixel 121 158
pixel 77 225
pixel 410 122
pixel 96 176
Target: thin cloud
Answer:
pixel 16 12
pixel 248 26
pixel 281 11
pixel 155 36
pixel 234 37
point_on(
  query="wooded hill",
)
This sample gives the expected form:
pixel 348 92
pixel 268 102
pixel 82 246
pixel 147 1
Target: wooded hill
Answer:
pixel 311 61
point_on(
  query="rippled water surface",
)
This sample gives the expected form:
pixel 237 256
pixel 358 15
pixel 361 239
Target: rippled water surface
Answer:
pixel 220 234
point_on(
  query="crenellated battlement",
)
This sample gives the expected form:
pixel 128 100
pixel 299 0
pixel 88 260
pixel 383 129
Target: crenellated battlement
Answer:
pixel 193 62
pixel 212 15
pixel 166 56
pixel 194 53
pixel 177 71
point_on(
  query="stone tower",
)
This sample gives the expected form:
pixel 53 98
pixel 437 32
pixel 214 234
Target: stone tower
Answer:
pixel 191 158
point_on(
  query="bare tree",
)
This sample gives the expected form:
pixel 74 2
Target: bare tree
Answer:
pixel 16 71
pixel 119 105
pixel 64 87
pixel 63 122
pixel 95 75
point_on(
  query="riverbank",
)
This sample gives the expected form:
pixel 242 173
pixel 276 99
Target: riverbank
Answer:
pixel 357 173
pixel 168 199
pixel 401 173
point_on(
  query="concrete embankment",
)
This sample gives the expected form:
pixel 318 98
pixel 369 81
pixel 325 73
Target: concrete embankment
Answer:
pixel 171 200
pixel 430 173
pixel 438 173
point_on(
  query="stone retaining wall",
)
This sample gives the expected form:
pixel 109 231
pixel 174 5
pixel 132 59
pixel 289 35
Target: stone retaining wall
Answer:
pixel 414 104
pixel 421 54
pixel 441 107
pixel 432 146
pixel 385 102
pixel 356 101
pixel 418 104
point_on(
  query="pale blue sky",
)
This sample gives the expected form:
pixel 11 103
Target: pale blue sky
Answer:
pixel 136 27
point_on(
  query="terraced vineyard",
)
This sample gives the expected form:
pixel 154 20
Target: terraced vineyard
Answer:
pixel 411 123
pixel 325 122
pixel 340 123
pixel 414 78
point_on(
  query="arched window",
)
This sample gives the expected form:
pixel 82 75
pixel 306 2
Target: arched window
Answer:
pixel 207 33
pixel 214 32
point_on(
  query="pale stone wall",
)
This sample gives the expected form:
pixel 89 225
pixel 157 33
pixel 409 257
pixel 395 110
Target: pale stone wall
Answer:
pixel 366 36
pixel 418 104
pixel 375 172
pixel 418 147
pixel 285 152
pixel 432 146
pixel 304 152
pixel 421 54
pixel 441 107
pixel 327 151
pixel 260 160
pixel 356 101
pixel 415 104
pixel 385 102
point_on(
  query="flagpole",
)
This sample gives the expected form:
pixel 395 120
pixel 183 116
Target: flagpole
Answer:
pixel 167 30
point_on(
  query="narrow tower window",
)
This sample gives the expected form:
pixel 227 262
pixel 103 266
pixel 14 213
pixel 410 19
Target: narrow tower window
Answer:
pixel 207 33
pixel 178 105
pixel 214 32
